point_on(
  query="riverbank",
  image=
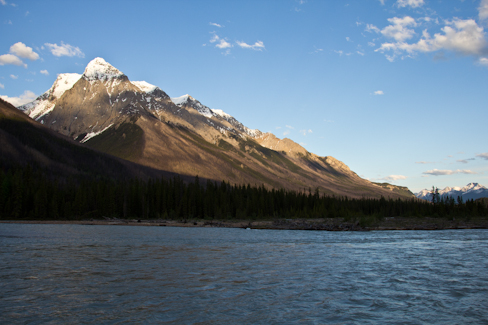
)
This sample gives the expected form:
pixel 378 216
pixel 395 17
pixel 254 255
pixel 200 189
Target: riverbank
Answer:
pixel 327 224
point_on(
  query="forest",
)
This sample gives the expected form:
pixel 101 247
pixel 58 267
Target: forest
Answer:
pixel 31 193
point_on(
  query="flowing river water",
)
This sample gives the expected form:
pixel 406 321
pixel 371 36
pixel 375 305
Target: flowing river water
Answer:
pixel 117 274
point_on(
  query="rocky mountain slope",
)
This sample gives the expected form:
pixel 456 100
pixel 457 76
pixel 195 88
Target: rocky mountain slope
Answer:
pixel 139 122
pixel 471 191
pixel 24 142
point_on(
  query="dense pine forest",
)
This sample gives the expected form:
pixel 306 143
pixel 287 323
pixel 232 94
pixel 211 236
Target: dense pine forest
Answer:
pixel 27 193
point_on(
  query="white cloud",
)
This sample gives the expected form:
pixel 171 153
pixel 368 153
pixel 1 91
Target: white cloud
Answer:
pixel 411 3
pixel 394 177
pixel 45 72
pixel 216 25
pixel 223 44
pixel 437 172
pixel 27 97
pixel 382 2
pixel 483 61
pixel 379 92
pixel 2 86
pixel 304 132
pixel 258 46
pixel 460 36
pixel 14 76
pixel 483 10
pixel 483 155
pixel 11 59
pixel 23 51
pixel 372 28
pixel 3 2
pixel 398 30
pixel 64 50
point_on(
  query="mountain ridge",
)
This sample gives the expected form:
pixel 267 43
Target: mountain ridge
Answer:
pixel 470 191
pixel 140 122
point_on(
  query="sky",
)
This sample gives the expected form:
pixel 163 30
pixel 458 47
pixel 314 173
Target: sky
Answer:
pixel 395 89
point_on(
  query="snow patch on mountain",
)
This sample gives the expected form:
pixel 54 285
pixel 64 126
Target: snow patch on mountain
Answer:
pixel 144 86
pixel 92 134
pixel 63 83
pixel 44 103
pixel 99 69
pixel 221 113
pixel 192 102
pixel 470 191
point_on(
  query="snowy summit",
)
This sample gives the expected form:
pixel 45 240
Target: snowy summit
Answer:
pixel 99 69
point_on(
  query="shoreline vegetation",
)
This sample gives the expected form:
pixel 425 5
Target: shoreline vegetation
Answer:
pixel 28 195
pixel 324 224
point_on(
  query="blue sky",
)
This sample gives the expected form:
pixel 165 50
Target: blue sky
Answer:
pixel 396 89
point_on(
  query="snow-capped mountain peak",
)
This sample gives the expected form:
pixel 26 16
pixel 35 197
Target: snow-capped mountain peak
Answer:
pixel 44 103
pixel 182 99
pixel 470 191
pixel 187 100
pixel 65 81
pixel 99 69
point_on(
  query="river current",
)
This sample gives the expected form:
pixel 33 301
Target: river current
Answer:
pixel 116 274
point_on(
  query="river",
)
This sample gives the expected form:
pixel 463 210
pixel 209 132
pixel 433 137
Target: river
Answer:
pixel 117 274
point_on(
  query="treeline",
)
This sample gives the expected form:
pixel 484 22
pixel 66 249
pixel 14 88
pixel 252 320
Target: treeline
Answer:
pixel 26 193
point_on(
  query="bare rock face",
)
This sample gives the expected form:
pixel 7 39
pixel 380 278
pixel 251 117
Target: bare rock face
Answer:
pixel 138 121
pixel 285 145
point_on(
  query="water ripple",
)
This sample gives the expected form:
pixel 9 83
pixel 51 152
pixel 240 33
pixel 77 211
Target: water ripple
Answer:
pixel 100 274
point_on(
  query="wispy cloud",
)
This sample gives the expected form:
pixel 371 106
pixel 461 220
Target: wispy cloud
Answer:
pixel 483 10
pixel 393 178
pixel 379 92
pixel 14 76
pixel 257 46
pixel 221 43
pixel 305 132
pixel 410 3
pixel 438 172
pixel 424 162
pixel 290 127
pixel 64 50
pixel 45 72
pixel 216 25
pixel 483 155
pixel 2 86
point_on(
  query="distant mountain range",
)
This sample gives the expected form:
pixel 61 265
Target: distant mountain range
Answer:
pixel 471 191
pixel 134 120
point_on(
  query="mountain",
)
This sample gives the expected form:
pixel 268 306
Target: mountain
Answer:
pixel 26 142
pixel 471 191
pixel 139 122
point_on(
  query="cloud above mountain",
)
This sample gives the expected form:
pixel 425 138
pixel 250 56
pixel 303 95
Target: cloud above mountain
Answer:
pixel 17 51
pixel 65 50
pixel 439 172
